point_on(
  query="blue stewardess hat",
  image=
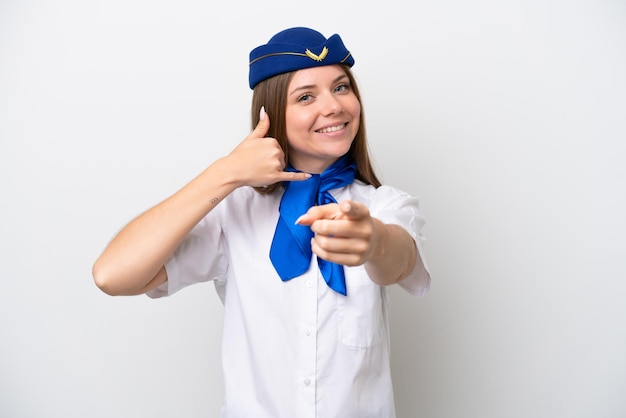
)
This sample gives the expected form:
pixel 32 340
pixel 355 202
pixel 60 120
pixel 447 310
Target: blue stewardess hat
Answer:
pixel 294 49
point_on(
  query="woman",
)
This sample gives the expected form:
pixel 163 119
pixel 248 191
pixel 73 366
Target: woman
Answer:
pixel 302 278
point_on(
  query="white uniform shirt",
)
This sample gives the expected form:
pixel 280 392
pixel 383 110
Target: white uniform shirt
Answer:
pixel 295 349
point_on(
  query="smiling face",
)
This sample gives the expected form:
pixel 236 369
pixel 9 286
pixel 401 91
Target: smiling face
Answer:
pixel 322 117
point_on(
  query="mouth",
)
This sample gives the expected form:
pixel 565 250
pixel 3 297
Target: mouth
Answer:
pixel 330 129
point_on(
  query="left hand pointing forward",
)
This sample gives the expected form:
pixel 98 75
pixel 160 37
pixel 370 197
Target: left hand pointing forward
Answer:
pixel 345 233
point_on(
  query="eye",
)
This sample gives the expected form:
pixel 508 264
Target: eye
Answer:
pixel 305 97
pixel 342 88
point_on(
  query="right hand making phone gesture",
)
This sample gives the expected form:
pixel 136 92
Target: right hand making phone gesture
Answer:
pixel 258 160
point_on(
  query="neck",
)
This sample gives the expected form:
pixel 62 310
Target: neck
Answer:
pixel 318 168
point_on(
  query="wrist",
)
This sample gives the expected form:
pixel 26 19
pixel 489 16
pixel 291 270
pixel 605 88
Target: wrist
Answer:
pixel 380 238
pixel 224 173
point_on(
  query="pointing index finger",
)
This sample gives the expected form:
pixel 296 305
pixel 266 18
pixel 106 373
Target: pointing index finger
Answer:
pixel 329 211
pixel 353 210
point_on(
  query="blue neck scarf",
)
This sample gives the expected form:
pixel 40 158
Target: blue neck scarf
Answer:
pixel 291 247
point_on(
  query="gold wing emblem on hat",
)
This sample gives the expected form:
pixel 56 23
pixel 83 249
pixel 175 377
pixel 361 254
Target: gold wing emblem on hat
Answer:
pixel 315 57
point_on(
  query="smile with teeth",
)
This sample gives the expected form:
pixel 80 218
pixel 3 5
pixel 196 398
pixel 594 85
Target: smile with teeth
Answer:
pixel 331 128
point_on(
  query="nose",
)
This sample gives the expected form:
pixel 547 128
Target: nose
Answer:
pixel 331 105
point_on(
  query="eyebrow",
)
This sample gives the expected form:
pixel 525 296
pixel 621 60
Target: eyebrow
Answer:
pixel 311 86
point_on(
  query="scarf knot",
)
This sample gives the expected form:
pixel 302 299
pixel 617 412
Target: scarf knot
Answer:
pixel 291 252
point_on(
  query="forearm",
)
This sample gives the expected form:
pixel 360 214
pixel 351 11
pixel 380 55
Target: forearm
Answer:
pixel 394 256
pixel 132 262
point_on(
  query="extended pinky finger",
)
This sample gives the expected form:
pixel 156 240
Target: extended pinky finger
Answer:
pixel 291 176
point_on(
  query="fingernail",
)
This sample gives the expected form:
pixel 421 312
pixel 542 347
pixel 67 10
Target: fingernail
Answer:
pixel 307 175
pixel 262 113
pixel 298 220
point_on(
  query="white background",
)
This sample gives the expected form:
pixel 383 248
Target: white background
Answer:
pixel 506 118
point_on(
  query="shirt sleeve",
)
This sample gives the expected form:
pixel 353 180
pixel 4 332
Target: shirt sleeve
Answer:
pixel 200 257
pixel 393 206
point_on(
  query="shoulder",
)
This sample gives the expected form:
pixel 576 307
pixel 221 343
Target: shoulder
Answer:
pixel 247 195
pixel 381 197
pixel 246 201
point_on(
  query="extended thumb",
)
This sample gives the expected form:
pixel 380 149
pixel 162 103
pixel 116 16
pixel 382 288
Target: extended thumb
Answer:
pixel 264 123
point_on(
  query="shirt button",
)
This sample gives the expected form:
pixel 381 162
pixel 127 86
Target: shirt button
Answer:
pixel 308 332
pixel 308 283
pixel 307 382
